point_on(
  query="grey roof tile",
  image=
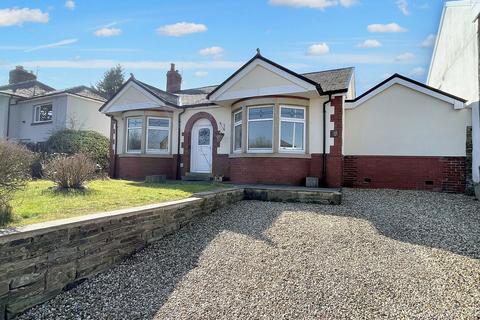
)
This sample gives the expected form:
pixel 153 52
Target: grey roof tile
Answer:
pixel 27 89
pixel 161 94
pixel 332 80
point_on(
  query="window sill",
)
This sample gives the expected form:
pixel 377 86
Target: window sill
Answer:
pixel 144 155
pixel 40 123
pixel 270 155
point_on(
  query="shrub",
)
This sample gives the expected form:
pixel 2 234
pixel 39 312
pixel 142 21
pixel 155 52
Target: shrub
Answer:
pixel 15 161
pixel 89 143
pixel 70 172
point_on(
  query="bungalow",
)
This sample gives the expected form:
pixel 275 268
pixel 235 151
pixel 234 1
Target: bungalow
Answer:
pixel 268 124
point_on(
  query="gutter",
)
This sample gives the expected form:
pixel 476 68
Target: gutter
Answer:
pixel 179 175
pixel 113 158
pixel 324 154
pixel 8 116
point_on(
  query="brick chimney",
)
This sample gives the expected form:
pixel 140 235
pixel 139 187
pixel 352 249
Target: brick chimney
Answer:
pixel 174 80
pixel 20 75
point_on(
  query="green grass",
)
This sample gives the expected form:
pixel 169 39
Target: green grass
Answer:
pixel 40 201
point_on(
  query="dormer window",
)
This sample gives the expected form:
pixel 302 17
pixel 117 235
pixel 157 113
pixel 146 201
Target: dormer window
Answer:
pixel 42 113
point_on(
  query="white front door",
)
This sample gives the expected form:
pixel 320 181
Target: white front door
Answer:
pixel 201 156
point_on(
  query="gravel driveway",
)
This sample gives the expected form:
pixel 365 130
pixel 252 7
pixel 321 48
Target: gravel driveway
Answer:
pixel 381 254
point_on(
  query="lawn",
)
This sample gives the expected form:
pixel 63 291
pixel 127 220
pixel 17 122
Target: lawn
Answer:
pixel 39 201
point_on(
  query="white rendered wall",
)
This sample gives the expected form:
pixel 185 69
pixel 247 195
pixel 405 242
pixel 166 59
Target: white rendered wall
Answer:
pixel 21 119
pixel 83 114
pixel 403 122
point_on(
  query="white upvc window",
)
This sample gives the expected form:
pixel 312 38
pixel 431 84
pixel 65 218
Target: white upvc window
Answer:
pixel 292 129
pixel 134 134
pixel 237 131
pixel 260 129
pixel 42 113
pixel 158 135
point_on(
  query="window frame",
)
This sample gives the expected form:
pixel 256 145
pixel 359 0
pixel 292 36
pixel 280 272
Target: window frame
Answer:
pixel 261 150
pixel 136 151
pixel 38 107
pixel 235 124
pixel 157 151
pixel 294 120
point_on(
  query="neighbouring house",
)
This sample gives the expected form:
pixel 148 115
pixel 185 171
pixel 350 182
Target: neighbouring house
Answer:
pixel 455 63
pixel 30 111
pixel 267 124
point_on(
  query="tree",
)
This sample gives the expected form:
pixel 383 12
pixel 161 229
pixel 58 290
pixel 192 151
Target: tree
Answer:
pixel 112 80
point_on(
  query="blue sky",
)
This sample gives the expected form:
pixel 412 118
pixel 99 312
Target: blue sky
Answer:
pixel 74 42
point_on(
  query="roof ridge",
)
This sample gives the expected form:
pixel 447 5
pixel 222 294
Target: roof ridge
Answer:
pixel 336 69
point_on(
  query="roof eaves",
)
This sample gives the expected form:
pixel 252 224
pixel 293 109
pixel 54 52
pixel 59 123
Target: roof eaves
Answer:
pixel 396 75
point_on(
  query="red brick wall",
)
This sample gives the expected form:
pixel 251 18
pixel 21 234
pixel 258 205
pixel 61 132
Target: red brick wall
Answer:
pixel 139 167
pixel 289 171
pixel 445 174
pixel 334 177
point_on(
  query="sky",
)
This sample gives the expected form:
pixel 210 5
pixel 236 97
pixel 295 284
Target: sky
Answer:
pixel 69 43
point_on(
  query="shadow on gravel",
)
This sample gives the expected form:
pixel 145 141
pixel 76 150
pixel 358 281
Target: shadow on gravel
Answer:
pixel 139 286
pixel 449 222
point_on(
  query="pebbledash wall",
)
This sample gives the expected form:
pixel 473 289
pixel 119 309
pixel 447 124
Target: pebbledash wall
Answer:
pixel 38 262
pixel 404 139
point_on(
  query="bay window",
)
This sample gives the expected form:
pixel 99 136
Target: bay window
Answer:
pixel 292 128
pixel 260 129
pixel 158 130
pixel 237 131
pixel 134 135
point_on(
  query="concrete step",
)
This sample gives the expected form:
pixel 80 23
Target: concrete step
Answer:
pixel 196 176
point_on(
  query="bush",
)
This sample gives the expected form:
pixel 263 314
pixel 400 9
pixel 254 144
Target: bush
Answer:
pixel 70 172
pixel 15 161
pixel 89 143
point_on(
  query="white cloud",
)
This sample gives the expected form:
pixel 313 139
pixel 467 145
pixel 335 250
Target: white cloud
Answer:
pixel 108 32
pixel 314 4
pixel 318 49
pixel 370 43
pixel 216 52
pixel 53 45
pixel 348 3
pixel 417 72
pixel 17 17
pixel 201 74
pixel 137 65
pixel 70 4
pixel 429 41
pixel 407 56
pixel 390 27
pixel 181 29
pixel 403 6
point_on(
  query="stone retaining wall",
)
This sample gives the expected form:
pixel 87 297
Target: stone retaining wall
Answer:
pixel 38 262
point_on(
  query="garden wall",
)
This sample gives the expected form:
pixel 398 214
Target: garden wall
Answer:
pixel 38 262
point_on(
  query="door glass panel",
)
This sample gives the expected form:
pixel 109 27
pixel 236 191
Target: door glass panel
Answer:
pixel 204 137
